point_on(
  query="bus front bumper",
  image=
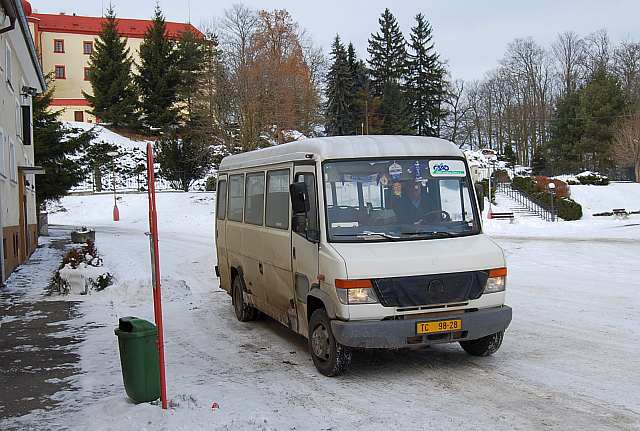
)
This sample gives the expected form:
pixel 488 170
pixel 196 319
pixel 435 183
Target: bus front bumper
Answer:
pixel 403 333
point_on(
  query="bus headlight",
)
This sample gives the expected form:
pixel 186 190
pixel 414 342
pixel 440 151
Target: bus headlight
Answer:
pixel 497 280
pixel 352 292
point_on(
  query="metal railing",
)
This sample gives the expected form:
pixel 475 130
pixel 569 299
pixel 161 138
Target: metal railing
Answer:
pixel 529 202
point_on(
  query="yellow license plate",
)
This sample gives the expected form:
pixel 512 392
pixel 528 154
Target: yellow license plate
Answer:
pixel 439 326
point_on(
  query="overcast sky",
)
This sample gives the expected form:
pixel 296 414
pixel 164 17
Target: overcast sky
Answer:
pixel 471 35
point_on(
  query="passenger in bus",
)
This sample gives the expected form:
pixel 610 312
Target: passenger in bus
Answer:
pixel 408 202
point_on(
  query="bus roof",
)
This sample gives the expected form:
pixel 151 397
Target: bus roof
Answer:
pixel 344 147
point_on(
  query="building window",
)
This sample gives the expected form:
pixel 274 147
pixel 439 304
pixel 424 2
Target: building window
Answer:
pixel 3 168
pixel 18 121
pixel 61 72
pixel 78 116
pixel 58 45
pixel 7 63
pixel 13 167
pixel 86 73
pixel 87 47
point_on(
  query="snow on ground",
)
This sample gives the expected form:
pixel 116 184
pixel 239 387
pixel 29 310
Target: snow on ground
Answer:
pixel 593 199
pixel 102 134
pixel 597 199
pixel 569 359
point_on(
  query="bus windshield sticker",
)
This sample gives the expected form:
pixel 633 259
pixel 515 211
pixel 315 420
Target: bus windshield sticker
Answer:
pixel 447 168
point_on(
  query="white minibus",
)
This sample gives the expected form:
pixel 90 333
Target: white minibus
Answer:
pixel 361 242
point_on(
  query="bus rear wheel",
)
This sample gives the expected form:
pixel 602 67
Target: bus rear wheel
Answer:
pixel 244 311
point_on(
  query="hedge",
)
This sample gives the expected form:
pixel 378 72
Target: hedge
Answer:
pixel 593 180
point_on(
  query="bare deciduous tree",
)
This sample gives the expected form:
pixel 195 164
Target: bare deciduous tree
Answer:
pixel 569 54
pixel 626 146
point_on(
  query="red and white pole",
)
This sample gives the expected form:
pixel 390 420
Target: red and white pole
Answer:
pixel 155 268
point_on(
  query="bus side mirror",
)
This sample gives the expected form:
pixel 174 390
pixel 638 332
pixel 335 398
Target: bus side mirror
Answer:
pixel 299 198
pixel 480 195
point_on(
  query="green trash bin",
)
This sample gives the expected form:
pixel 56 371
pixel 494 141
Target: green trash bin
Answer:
pixel 139 359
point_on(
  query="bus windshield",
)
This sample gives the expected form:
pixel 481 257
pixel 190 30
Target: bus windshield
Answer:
pixel 402 199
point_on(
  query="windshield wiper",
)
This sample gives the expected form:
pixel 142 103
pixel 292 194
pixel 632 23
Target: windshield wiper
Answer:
pixel 432 234
pixel 369 234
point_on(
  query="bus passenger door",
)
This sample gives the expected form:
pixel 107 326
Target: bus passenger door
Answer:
pixel 304 246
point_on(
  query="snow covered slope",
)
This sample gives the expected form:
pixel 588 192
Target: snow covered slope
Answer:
pixel 596 199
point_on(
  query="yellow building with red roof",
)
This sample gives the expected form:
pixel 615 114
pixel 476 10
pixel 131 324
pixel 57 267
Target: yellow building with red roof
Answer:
pixel 65 42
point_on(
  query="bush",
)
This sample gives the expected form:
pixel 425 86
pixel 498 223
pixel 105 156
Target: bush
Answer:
pixel 102 282
pixel 524 184
pixel 561 190
pixel 501 176
pixel 593 179
pixel 568 209
pixel 211 184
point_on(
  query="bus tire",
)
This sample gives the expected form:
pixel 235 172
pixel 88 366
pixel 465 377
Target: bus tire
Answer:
pixel 484 346
pixel 330 357
pixel 244 312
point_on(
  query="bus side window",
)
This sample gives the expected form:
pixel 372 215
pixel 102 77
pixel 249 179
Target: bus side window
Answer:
pixel 277 205
pixel 221 200
pixel 236 197
pixel 313 231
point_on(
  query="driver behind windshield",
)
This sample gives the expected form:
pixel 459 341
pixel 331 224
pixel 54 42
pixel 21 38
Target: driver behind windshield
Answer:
pixel 409 202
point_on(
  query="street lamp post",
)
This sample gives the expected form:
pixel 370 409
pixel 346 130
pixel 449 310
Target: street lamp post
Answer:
pixel 116 211
pixel 552 190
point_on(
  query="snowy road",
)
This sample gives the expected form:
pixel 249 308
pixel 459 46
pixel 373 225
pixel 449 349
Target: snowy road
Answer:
pixel 570 359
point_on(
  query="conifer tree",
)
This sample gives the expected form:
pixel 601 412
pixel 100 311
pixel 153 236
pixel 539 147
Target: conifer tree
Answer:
pixel 394 117
pixel 387 51
pixel 601 102
pixel 566 132
pixel 359 90
pixel 425 75
pixel 339 93
pixel 190 63
pixel 158 76
pixel 185 154
pixel 55 149
pixel 114 99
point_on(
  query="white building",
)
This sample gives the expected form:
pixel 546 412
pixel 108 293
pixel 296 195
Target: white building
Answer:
pixel 20 78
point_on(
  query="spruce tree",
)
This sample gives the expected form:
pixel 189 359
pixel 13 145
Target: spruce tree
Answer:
pixel 114 97
pixel 567 129
pixel 190 63
pixel 425 75
pixel 509 155
pixel 158 76
pixel 393 112
pixel 387 51
pixel 56 149
pixel 339 93
pixel 601 103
